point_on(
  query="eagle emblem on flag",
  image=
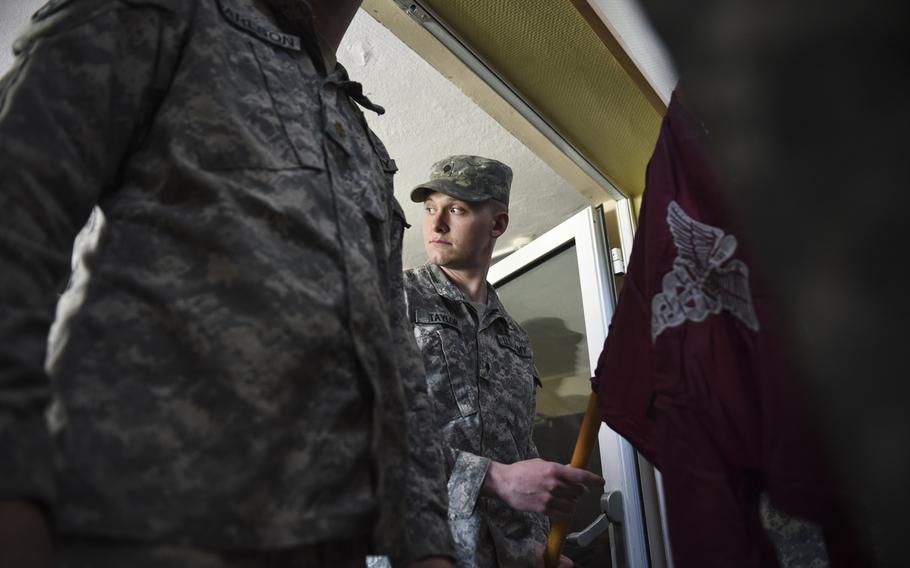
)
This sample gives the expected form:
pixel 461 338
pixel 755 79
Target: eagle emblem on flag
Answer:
pixel 705 278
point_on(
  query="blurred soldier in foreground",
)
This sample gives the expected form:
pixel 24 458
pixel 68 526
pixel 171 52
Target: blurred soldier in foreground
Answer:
pixel 809 98
pixel 230 392
pixel 481 375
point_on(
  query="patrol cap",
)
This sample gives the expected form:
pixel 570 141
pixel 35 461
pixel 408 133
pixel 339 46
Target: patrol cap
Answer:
pixel 469 178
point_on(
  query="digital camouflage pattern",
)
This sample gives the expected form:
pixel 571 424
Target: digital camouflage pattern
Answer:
pixel 86 553
pixel 471 178
pixel 482 386
pixel 236 374
pixel 798 543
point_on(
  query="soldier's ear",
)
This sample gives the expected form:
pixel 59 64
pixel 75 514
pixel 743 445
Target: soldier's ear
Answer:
pixel 500 224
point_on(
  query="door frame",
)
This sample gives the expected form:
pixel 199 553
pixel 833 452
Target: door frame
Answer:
pixel 619 460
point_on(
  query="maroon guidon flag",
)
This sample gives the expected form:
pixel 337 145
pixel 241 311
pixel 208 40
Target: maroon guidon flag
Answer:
pixel 695 374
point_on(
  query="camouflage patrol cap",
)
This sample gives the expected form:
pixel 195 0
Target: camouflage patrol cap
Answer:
pixel 470 178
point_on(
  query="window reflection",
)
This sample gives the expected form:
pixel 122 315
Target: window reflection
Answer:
pixel 546 301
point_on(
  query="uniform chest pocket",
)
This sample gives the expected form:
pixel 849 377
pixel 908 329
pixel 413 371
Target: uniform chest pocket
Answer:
pixel 451 373
pixel 260 105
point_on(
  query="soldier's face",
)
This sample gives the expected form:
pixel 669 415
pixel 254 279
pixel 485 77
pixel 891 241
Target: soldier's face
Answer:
pixel 458 234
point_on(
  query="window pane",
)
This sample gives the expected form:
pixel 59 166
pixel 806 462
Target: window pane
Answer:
pixel 546 301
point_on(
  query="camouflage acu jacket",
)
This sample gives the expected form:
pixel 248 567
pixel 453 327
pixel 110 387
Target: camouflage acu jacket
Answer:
pixel 236 373
pixel 481 381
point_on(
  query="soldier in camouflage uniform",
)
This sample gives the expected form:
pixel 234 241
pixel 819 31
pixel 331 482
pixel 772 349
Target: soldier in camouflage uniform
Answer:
pixel 481 375
pixel 231 390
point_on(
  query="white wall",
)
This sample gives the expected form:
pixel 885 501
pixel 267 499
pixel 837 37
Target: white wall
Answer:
pixel 14 15
pixel 429 118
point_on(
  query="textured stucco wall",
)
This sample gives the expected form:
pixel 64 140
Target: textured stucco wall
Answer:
pixel 429 118
pixel 14 15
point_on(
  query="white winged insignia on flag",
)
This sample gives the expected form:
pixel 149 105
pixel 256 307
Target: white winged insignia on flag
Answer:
pixel 704 279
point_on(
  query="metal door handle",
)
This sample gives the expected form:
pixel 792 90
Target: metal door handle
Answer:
pixel 609 521
pixel 590 533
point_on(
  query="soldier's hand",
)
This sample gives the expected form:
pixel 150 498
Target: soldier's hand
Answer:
pixel 25 539
pixel 433 562
pixel 539 486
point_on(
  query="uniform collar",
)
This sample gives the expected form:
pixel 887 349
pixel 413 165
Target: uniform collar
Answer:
pixel 444 287
pixel 447 289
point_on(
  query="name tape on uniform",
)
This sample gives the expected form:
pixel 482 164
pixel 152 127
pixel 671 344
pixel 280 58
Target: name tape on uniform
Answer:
pixel 423 316
pixel 261 31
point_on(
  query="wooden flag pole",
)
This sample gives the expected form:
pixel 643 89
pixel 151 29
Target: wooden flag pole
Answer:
pixel 587 435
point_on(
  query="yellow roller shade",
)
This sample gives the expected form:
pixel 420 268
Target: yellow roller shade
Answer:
pixel 555 60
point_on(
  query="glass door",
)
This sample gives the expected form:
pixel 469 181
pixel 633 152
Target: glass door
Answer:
pixel 559 288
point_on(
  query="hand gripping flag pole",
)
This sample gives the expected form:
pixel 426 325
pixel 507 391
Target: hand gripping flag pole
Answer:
pixel 584 445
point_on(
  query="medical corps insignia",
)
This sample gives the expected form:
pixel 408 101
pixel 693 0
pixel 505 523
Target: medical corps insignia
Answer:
pixel 705 278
